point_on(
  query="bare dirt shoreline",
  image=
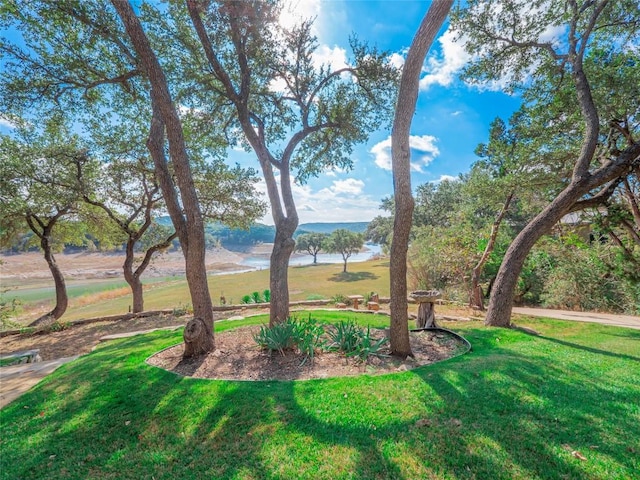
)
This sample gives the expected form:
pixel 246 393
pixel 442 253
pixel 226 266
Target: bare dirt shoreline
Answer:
pixel 16 269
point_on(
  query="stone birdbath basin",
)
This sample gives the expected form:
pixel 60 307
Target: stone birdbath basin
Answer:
pixel 426 300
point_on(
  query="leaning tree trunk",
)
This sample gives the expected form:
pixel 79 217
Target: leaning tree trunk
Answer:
pixel 501 300
pixel 62 300
pixel 184 211
pixel 405 108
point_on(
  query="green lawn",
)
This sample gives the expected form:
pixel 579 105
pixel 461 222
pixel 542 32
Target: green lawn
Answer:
pixel 516 407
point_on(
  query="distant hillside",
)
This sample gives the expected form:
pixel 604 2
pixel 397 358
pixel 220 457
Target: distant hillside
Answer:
pixel 357 227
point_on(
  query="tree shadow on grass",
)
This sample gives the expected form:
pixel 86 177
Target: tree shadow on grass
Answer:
pixel 353 276
pixel 627 333
pixel 590 349
pixel 497 413
pixel 132 420
pixel 513 415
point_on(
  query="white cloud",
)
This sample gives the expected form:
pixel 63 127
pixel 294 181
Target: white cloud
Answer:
pixel 449 178
pixel 350 186
pixel 327 17
pixel 397 60
pixel 306 208
pixel 457 113
pixel 295 11
pixel 442 69
pixel 343 201
pixel 423 152
pixel 6 122
pixel 382 154
pixel 325 55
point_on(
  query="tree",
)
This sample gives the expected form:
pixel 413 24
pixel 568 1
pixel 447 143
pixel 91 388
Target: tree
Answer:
pixel 618 220
pixel 344 242
pixel 182 202
pixel 85 69
pixel 405 107
pixel 298 119
pixel 311 243
pixel 39 190
pixel 130 196
pixel 379 231
pixel 435 203
pixel 579 103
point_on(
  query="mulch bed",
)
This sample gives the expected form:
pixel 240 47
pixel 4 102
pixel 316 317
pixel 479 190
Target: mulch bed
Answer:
pixel 238 357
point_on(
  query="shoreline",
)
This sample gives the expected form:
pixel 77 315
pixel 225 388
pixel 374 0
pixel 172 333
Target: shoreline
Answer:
pixel 30 269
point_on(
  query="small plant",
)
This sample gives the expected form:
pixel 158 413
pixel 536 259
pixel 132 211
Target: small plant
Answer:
pixel 58 326
pixel 267 295
pixel 246 299
pixel 340 298
pixel 8 309
pixel 345 336
pixel 367 346
pixel 27 331
pixel 280 337
pixel 182 310
pixel 315 296
pixel 257 297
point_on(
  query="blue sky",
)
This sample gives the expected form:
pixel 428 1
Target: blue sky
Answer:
pixel 451 118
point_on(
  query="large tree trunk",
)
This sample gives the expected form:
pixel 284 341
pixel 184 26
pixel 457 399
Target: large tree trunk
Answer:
pixel 185 213
pixel 401 164
pixel 283 247
pixel 62 299
pixel 475 294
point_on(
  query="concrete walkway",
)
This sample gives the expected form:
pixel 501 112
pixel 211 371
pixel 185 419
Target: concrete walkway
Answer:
pixel 628 321
pixel 17 379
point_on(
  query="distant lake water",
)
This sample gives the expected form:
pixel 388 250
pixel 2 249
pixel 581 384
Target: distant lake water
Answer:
pixel 298 259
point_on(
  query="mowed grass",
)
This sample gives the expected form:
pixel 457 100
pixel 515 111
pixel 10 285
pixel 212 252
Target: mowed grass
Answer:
pixel 305 282
pixel 563 405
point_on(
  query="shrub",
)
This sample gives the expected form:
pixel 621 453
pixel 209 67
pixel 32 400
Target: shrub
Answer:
pixel 340 298
pixel 8 309
pixel 305 335
pixel 267 295
pixel 182 310
pixel 257 297
pixel 308 337
pixel 246 299
pixel 58 326
pixel 367 346
pixel 345 336
pixel 279 338
pixel 315 296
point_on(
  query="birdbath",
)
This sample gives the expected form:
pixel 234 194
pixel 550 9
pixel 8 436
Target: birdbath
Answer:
pixel 426 307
